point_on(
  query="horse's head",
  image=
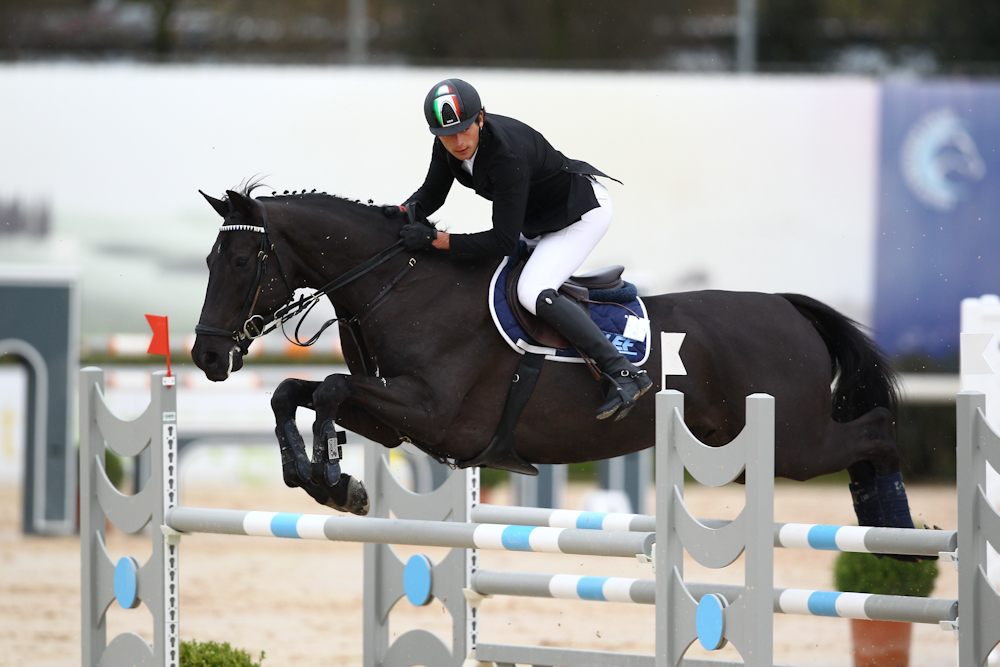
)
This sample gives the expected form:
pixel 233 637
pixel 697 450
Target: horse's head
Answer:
pixel 245 284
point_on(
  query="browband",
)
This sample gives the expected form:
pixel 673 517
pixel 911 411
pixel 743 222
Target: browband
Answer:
pixel 242 228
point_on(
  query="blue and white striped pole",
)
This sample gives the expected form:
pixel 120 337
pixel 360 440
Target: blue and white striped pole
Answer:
pixel 861 539
pixel 419 533
pixel 786 600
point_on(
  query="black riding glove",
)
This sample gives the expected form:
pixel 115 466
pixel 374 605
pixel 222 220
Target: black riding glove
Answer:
pixel 393 211
pixel 417 236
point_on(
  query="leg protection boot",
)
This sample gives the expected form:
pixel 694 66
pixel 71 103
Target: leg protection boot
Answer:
pixel 623 383
pixel 327 452
pixel 294 462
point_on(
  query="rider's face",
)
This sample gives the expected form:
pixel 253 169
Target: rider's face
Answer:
pixel 464 144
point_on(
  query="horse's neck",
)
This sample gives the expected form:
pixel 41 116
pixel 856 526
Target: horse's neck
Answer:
pixel 323 247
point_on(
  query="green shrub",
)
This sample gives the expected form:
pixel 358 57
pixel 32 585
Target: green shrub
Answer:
pixel 582 472
pixel 212 654
pixel 864 573
pixel 489 477
pixel 115 468
pixel 577 472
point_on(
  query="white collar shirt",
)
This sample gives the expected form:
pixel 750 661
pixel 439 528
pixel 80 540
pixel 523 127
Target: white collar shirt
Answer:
pixel 467 164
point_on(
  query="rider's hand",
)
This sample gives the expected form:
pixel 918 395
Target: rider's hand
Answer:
pixel 393 211
pixel 417 236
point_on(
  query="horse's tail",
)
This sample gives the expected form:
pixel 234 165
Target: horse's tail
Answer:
pixel 865 380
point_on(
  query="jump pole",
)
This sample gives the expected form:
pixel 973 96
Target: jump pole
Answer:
pixel 373 530
pixel 861 539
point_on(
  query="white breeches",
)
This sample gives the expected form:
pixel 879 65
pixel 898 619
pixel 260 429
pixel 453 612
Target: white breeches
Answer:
pixel 557 255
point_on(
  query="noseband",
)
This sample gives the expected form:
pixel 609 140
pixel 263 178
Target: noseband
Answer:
pixel 255 326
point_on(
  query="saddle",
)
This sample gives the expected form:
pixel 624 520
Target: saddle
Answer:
pixel 609 292
pixel 577 289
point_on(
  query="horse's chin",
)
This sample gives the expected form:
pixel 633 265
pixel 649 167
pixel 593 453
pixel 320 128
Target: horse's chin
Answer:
pixel 218 366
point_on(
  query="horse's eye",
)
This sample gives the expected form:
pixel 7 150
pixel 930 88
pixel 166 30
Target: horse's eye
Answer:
pixel 242 261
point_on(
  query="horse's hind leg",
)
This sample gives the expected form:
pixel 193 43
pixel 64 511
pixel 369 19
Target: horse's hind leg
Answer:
pixel 866 447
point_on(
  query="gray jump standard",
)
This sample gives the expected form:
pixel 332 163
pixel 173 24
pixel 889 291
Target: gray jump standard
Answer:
pixel 686 611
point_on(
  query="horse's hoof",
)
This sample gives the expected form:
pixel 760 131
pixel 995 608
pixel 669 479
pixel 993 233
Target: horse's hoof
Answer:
pixel 349 495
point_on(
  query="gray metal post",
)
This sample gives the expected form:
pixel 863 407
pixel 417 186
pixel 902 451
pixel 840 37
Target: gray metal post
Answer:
pixel 631 474
pixel 156 582
pixel 547 489
pixel 756 623
pixel 669 557
pixel 746 35
pixel 638 478
pixel 92 523
pixel 978 524
pixel 383 569
pixel 357 31
pixel 748 621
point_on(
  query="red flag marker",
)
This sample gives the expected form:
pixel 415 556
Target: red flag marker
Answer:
pixel 161 337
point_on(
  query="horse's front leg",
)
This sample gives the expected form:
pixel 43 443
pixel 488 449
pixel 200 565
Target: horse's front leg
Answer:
pixel 287 398
pixel 295 465
pixel 404 403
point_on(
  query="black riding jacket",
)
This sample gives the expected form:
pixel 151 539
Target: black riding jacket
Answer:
pixel 534 188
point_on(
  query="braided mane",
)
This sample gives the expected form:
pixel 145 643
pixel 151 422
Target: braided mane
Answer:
pixel 247 187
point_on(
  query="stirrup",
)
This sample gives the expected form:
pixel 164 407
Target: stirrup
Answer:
pixel 617 398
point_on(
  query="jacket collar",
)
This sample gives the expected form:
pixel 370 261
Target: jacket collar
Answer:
pixel 487 144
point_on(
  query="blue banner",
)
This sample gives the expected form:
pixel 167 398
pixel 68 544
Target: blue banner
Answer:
pixel 938 211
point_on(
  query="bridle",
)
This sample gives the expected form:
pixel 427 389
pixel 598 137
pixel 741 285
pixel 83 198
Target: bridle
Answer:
pixel 255 326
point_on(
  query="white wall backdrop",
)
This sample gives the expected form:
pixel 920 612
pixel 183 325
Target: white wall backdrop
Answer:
pixel 746 183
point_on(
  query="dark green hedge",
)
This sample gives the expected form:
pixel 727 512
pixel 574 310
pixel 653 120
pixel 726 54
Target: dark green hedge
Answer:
pixel 864 573
pixel 926 436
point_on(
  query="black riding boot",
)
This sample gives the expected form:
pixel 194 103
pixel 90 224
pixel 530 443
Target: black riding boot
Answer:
pixel 623 383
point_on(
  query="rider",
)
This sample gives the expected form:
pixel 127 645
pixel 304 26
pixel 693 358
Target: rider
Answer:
pixel 555 204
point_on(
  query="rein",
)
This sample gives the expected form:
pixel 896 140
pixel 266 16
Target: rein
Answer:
pixel 255 326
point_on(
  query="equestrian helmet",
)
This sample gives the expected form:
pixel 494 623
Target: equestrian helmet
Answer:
pixel 451 107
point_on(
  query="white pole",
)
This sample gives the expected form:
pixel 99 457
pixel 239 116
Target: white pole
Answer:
pixel 746 35
pixel 357 31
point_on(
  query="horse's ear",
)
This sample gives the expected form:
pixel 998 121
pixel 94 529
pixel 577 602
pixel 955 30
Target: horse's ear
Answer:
pixel 241 204
pixel 221 207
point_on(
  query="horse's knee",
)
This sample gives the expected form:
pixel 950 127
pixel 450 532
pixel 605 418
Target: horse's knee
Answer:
pixel 329 394
pixel 281 399
pixel 291 394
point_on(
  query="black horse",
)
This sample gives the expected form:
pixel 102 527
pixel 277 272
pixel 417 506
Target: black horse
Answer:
pixel 428 365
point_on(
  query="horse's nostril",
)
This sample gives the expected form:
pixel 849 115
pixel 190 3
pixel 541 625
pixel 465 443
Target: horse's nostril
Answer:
pixel 211 359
